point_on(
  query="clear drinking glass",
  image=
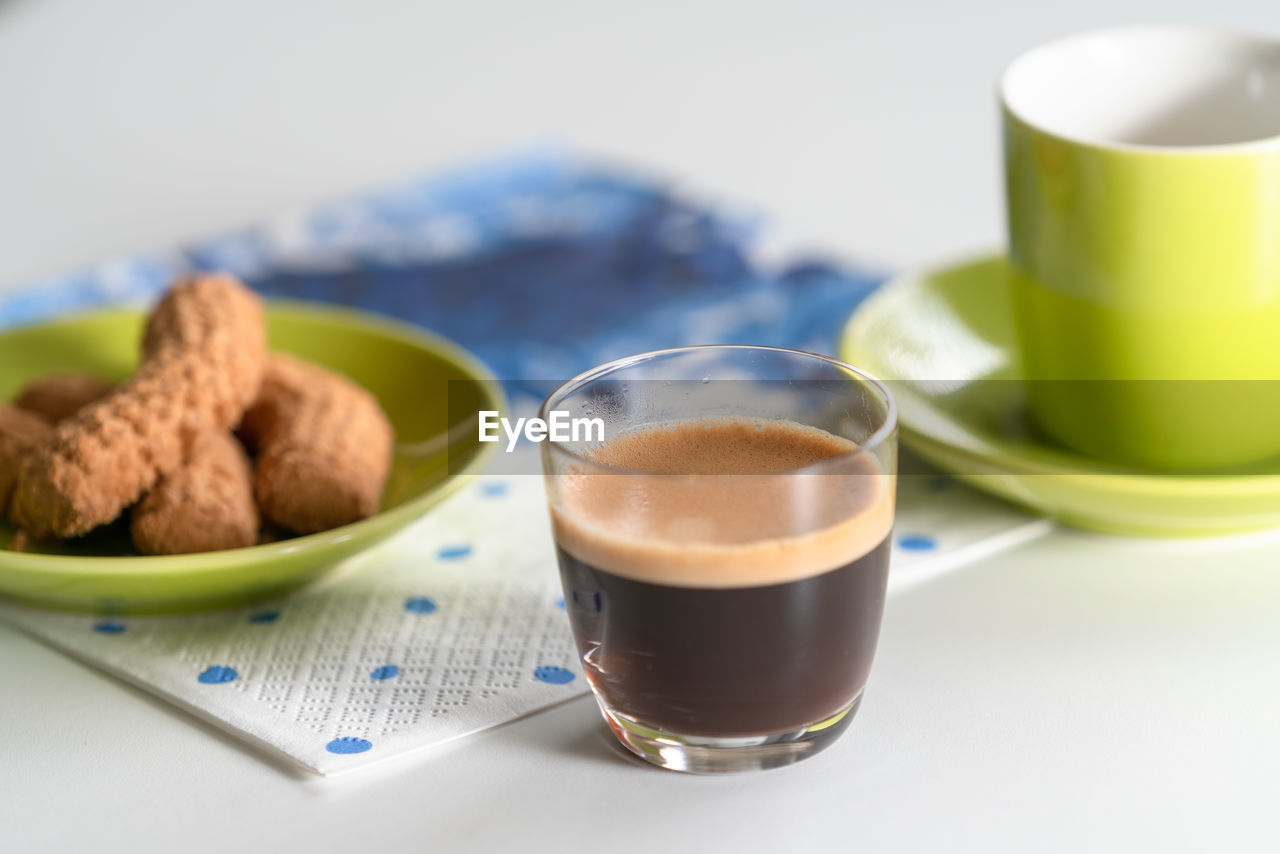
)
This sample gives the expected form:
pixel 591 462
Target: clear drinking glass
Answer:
pixel 724 547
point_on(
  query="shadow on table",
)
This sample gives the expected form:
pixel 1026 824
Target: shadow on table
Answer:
pixel 598 744
pixel 590 742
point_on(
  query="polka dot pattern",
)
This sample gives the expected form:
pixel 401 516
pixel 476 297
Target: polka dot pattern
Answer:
pixel 349 744
pixel 553 675
pixel 917 543
pixel 421 605
pixel 454 552
pixel 218 674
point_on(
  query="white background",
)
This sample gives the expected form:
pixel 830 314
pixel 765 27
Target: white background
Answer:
pixel 870 127
pixel 1081 693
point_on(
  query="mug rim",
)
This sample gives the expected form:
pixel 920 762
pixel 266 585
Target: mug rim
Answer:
pixel 1240 36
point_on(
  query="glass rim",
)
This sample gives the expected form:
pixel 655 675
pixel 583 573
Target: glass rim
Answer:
pixel 873 442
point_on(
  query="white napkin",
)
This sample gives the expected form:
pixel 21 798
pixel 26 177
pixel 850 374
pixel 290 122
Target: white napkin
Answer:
pixel 453 627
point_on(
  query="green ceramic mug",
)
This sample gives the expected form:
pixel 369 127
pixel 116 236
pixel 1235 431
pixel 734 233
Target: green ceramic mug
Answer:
pixel 1143 181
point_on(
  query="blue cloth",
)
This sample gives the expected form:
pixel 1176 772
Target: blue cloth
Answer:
pixel 541 263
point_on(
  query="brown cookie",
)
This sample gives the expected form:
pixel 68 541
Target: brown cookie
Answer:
pixel 323 444
pixel 204 352
pixel 21 433
pixel 206 505
pixel 56 397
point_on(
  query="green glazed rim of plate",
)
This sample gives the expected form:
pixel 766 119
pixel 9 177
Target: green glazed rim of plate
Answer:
pixel 382 522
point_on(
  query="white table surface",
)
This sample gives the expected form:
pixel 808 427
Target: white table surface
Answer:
pixel 1079 693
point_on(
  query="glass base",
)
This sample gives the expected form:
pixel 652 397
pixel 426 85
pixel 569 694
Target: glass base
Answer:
pixel 698 754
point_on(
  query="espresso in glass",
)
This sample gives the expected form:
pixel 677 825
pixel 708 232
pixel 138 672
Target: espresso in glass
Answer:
pixel 724 576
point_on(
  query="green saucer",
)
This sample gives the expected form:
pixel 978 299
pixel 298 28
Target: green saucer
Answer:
pixel 944 340
pixel 418 378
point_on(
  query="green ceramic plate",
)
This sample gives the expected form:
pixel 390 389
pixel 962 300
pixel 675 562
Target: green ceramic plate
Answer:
pixel 945 341
pixel 418 377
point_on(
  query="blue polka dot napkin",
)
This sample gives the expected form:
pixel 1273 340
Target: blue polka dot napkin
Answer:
pixel 544 264
pixel 453 628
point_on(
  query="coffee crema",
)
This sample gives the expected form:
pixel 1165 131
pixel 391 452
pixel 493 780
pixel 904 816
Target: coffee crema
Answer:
pixel 723 503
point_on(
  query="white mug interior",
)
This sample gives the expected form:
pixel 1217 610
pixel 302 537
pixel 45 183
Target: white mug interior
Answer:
pixel 1151 87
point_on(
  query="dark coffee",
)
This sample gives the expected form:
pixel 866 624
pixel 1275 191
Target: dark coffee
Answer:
pixel 742 602
pixel 733 661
